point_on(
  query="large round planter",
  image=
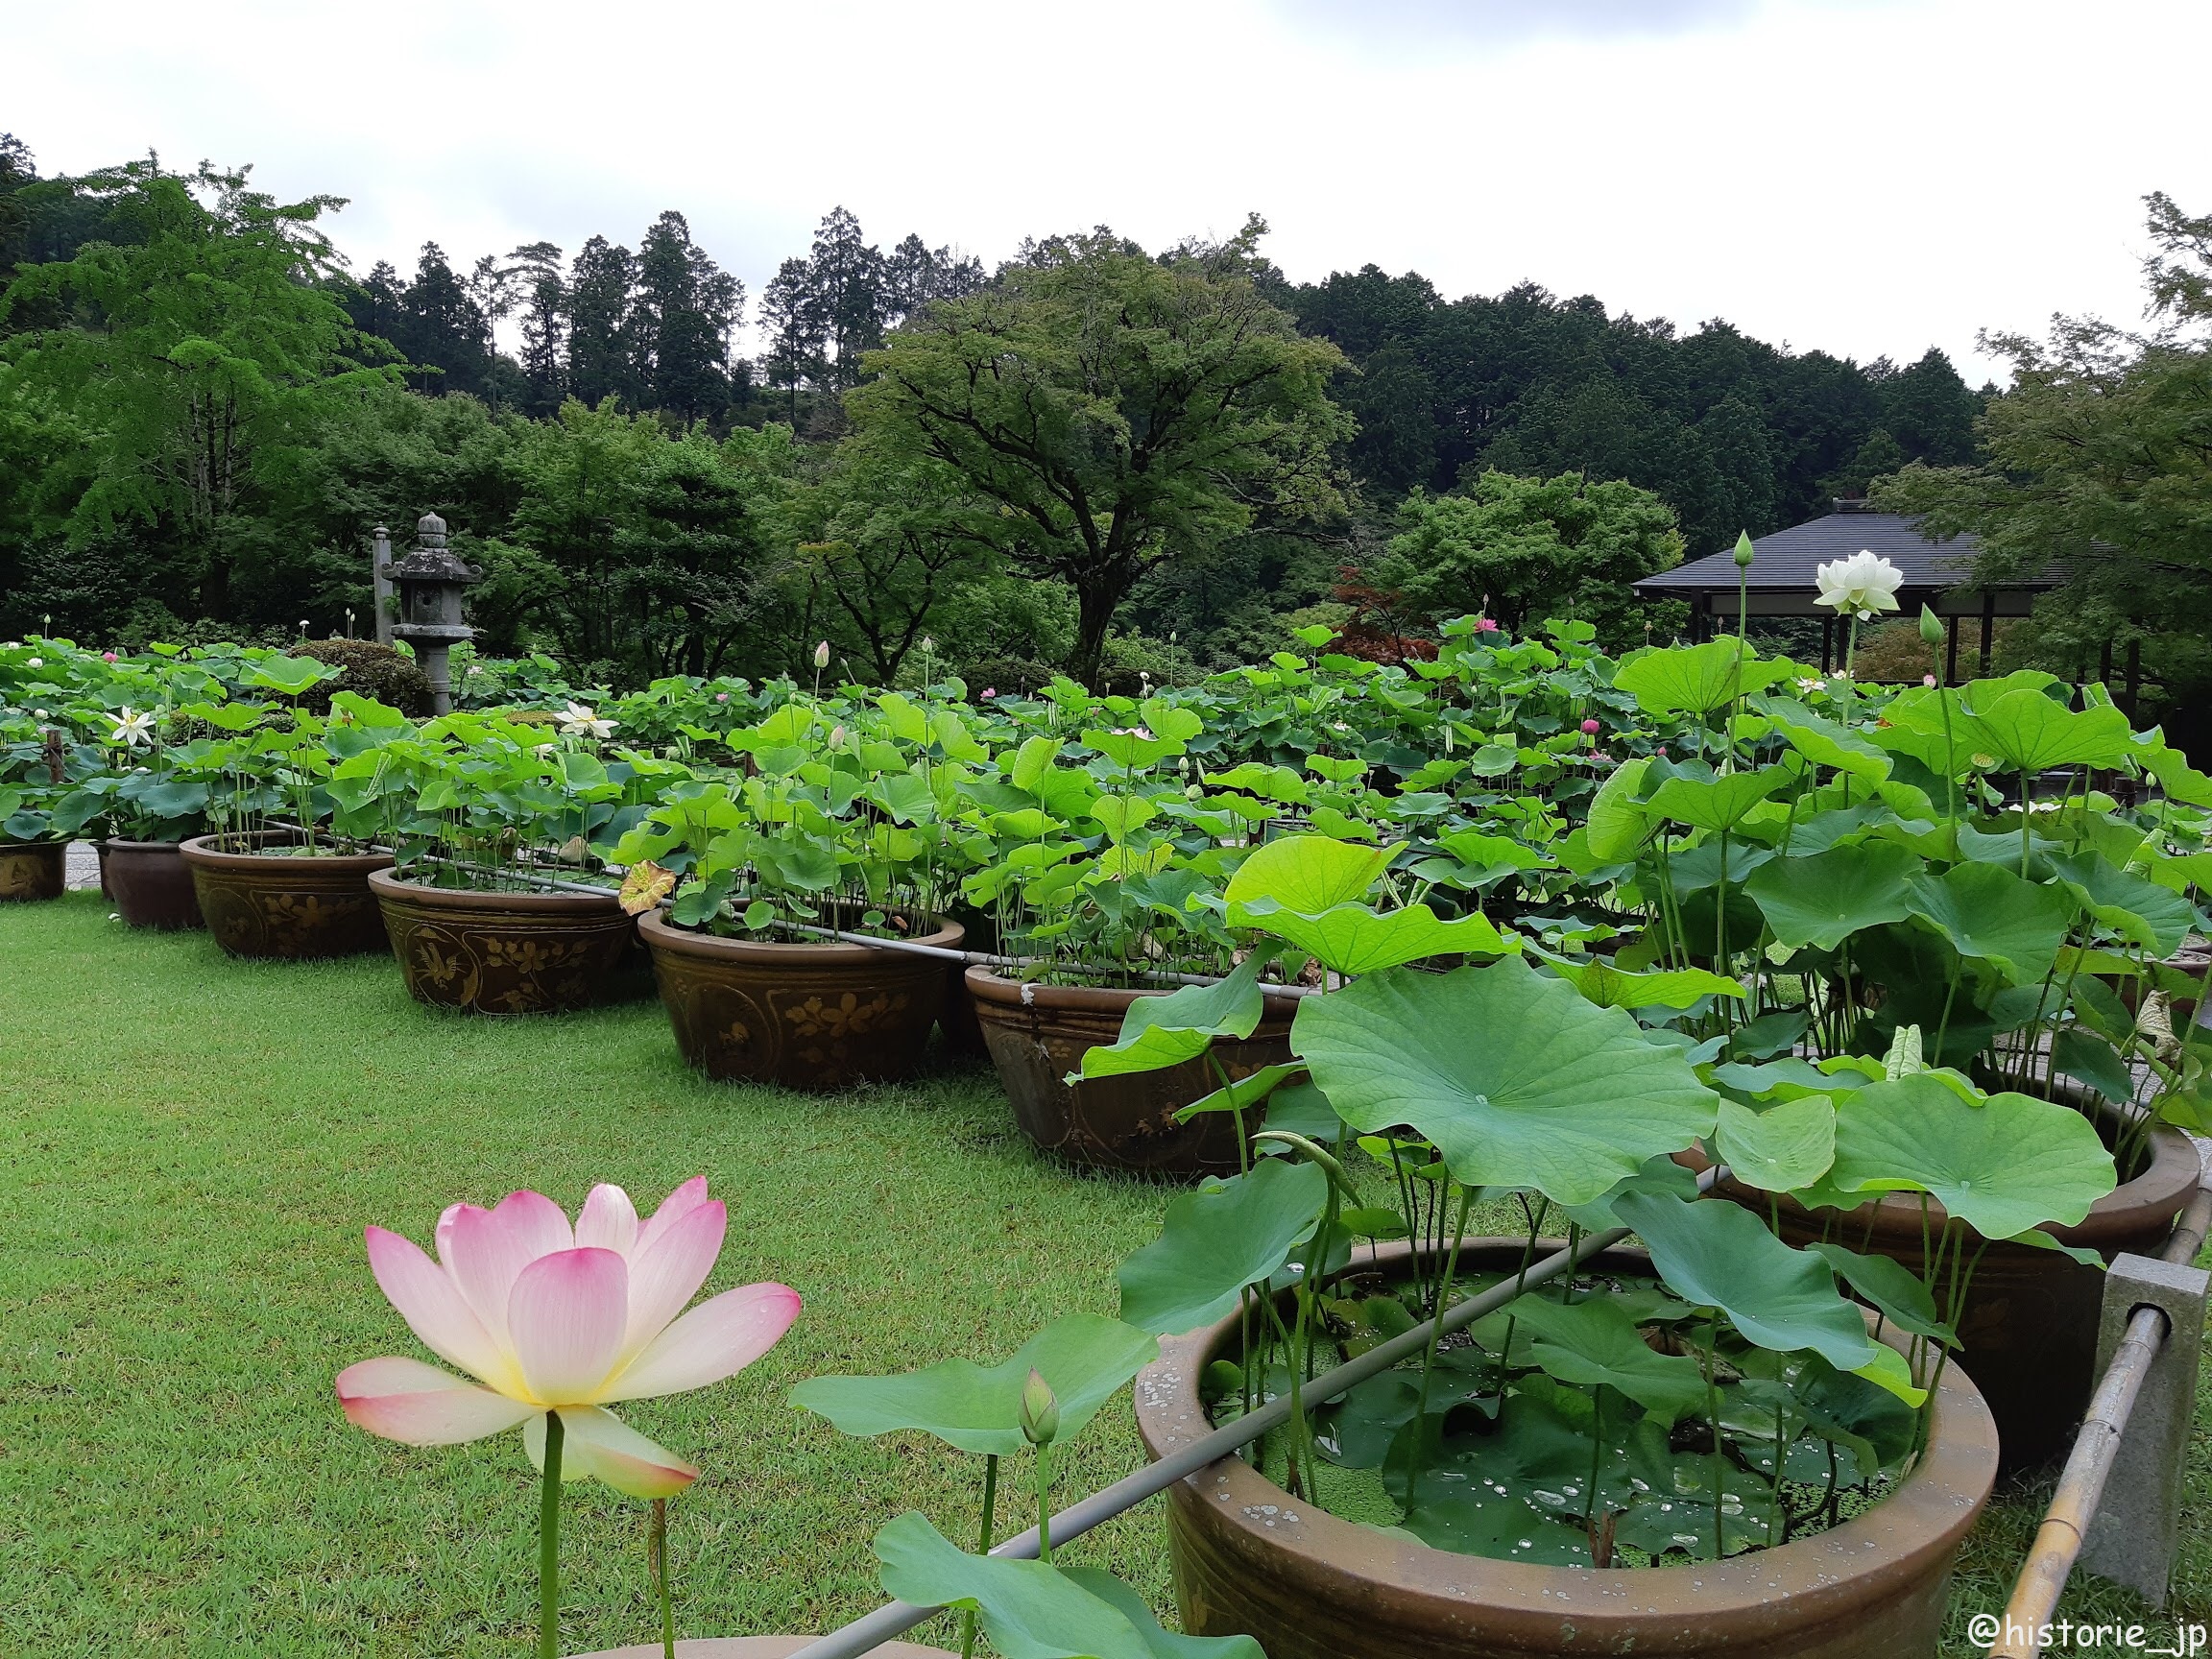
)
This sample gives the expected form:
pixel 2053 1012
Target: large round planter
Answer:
pixel 272 905
pixel 508 952
pixel 812 1017
pixel 150 884
pixel 2027 1331
pixel 33 870
pixel 1038 1034
pixel 757 1647
pixel 1250 1559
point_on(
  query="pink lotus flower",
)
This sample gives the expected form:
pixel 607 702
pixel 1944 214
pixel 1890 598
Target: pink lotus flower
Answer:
pixel 721 696
pixel 1590 728
pixel 1484 625
pixel 107 656
pixel 548 1318
pixel 988 693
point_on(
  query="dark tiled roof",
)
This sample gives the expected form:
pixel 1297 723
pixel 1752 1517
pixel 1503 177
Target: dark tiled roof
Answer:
pixel 1786 559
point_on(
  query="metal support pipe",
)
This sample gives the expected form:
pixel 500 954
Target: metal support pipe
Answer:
pixel 2081 1485
pixel 895 1619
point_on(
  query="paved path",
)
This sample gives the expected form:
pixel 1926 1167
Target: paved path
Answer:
pixel 84 866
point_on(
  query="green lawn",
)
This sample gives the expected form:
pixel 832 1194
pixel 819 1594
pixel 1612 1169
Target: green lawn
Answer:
pixel 192 1146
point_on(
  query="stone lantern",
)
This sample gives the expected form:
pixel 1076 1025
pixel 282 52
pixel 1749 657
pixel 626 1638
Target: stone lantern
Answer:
pixel 429 578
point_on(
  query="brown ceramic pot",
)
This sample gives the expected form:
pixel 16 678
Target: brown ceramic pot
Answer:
pixel 33 870
pixel 2029 1329
pixel 1037 1035
pixel 757 1647
pixel 150 884
pixel 508 952
pixel 268 903
pixel 1250 1559
pixel 812 1017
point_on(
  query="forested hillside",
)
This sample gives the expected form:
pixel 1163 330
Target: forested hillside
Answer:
pixel 208 408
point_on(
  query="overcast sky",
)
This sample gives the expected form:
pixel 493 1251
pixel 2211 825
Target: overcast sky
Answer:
pixel 1867 177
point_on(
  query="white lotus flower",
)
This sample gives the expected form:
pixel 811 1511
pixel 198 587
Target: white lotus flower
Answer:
pixel 33 661
pixel 131 730
pixel 822 654
pixel 1804 685
pixel 578 721
pixel 1860 585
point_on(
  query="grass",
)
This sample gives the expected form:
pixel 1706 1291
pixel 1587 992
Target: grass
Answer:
pixel 191 1146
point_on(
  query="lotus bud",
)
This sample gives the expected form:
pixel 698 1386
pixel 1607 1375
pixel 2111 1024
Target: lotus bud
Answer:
pixel 927 643
pixel 822 654
pixel 1040 1411
pixel 1742 549
pixel 1590 728
pixel 837 737
pixel 1931 628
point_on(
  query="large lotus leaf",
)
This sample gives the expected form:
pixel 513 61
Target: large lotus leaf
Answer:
pixel 1823 741
pixel 1715 860
pixel 1823 899
pixel 2133 907
pixel 1933 726
pixel 1516 1078
pixel 1160 1032
pixel 1084 1357
pixel 2180 781
pixel 2005 1166
pixel 2093 1061
pixel 2030 731
pixel 1034 1609
pixel 1716 803
pixel 1217 1240
pixel 1695 679
pixel 1353 939
pixel 1989 913
pixel 1787 1146
pixel 290 675
pixel 1593 1341
pixel 1305 874
pixel 1611 987
pixel 1619 822
pixel 1719 1255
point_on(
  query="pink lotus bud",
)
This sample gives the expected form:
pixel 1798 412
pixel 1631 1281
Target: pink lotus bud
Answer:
pixel 1590 727
pixel 988 693
pixel 107 656
pixel 1929 680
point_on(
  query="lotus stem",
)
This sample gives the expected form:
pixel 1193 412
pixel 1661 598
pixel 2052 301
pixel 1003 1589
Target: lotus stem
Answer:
pixel 550 1545
pixel 660 1552
pixel 983 1548
pixel 1045 1504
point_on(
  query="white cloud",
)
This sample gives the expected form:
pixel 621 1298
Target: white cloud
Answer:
pixel 1865 175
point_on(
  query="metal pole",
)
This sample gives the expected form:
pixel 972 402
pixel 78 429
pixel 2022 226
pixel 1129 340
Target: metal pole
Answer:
pixel 895 1619
pixel 2058 1540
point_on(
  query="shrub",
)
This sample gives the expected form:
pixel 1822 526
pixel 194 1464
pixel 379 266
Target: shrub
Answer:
pixel 370 670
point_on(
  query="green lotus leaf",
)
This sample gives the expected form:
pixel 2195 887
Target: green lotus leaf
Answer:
pixel 1787 1146
pixel 1611 987
pixel 2091 1060
pixel 1593 1342
pixel 1719 1255
pixel 1160 1032
pixel 1353 939
pixel 1515 1077
pixel 1891 1288
pixel 2139 909
pixel 1823 741
pixel 1695 679
pixel 1305 874
pixel 1085 1357
pixel 1716 803
pixel 1823 899
pixel 1989 913
pixel 1217 1240
pixel 1619 822
pixel 2030 731
pixel 2011 1164
pixel 1245 1093
pixel 1033 1609
pixel 290 675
